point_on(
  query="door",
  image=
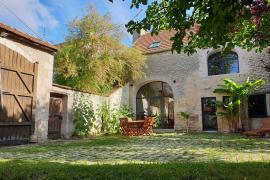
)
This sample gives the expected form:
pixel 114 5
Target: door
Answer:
pixel 17 96
pixel 55 118
pixel 209 114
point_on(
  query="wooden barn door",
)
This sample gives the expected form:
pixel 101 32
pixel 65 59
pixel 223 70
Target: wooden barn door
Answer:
pixel 17 96
pixel 55 118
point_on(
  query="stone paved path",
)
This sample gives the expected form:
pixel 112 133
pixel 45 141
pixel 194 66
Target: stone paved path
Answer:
pixel 158 148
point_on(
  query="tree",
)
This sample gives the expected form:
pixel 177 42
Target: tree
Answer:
pixel 237 100
pixel 93 59
pixel 208 23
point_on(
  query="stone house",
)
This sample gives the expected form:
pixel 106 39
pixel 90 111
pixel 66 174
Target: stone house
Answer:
pixel 175 83
pixel 34 109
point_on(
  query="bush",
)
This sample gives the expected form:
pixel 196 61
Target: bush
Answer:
pixel 84 116
pixel 103 112
pixel 161 121
pixel 111 119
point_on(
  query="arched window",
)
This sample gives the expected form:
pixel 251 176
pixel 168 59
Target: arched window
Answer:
pixel 156 99
pixel 223 63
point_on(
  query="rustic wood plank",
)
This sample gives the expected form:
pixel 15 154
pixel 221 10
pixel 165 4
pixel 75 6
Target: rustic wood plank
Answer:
pixel 18 78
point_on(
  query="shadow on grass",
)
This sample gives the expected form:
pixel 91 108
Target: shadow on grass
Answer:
pixel 17 169
pixel 54 146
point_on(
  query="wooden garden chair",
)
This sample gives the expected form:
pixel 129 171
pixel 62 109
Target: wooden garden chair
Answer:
pixel 147 128
pixel 260 132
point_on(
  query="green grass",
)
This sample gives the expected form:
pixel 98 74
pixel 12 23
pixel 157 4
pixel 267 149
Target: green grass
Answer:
pixel 162 156
pixel 211 170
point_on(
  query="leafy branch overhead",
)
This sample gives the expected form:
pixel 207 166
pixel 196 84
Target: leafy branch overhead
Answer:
pixel 208 23
pixel 93 58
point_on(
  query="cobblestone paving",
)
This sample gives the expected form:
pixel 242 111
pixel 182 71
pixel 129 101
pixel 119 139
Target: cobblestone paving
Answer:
pixel 158 148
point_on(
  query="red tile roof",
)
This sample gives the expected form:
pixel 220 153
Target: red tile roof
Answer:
pixel 163 37
pixel 147 39
pixel 21 36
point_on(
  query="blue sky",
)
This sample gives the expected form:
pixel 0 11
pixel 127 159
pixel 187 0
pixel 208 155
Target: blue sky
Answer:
pixel 49 18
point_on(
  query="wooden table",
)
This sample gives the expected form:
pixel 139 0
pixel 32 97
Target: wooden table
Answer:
pixel 137 123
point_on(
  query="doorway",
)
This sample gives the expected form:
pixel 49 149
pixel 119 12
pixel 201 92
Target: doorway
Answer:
pixel 209 116
pixel 156 99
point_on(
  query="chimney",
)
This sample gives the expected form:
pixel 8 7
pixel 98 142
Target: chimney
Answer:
pixel 136 35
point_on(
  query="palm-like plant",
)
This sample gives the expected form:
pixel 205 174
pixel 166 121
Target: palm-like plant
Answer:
pixel 238 97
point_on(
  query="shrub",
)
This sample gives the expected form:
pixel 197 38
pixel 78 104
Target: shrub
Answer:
pixel 122 111
pixel 111 118
pixel 103 112
pixel 185 116
pixel 84 116
pixel 161 121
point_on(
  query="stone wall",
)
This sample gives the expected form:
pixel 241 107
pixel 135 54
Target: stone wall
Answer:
pixel 70 98
pixel 119 96
pixel 189 80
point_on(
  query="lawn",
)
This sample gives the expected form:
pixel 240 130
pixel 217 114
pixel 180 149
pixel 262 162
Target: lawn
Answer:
pixel 170 156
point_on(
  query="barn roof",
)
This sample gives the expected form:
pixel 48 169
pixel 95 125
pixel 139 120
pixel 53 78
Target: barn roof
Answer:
pixel 17 35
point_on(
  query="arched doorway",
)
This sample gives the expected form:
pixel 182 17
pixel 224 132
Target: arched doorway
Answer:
pixel 156 99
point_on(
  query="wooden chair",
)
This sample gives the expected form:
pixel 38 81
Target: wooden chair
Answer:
pixel 125 128
pixel 265 128
pixel 147 128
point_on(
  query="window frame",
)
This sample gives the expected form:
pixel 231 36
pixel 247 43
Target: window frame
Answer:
pixel 153 46
pixel 222 63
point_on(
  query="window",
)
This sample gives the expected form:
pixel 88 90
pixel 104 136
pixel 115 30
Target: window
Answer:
pixel 223 63
pixel 155 44
pixel 257 106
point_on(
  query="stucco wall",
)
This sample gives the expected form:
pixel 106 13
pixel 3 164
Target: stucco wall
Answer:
pixel 119 97
pixel 70 98
pixel 189 80
pixel 44 84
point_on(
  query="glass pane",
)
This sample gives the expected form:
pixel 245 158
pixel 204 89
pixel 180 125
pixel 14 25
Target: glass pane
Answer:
pixel 209 114
pixel 143 92
pixel 155 89
pixel 231 64
pixel 155 107
pixel 215 64
pixel 142 108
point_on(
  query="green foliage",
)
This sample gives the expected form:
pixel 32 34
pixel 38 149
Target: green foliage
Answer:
pixel 238 95
pixel 93 59
pixel 120 112
pixel 185 116
pixel 208 23
pixel 103 113
pixel 111 118
pixel 84 117
pixel 161 121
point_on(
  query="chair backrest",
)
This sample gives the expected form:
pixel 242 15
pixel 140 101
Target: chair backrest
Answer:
pixel 266 124
pixel 149 121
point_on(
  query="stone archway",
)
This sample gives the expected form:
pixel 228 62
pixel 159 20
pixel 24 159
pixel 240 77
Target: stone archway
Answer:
pixel 156 99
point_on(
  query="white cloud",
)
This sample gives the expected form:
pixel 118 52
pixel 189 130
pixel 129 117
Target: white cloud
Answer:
pixel 32 12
